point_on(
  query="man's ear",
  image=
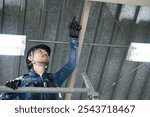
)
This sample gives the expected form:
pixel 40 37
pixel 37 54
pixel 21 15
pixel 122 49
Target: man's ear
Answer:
pixel 30 58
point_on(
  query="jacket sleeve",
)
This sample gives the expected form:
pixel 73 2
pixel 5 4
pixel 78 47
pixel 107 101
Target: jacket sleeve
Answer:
pixel 61 75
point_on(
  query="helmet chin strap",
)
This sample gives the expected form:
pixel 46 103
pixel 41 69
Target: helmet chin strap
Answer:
pixel 42 64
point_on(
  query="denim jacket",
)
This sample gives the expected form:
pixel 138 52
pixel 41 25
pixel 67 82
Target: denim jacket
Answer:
pixel 54 80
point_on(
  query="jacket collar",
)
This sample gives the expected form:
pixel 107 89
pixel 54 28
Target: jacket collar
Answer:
pixel 34 75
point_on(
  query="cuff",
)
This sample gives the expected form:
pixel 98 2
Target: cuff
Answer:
pixel 74 42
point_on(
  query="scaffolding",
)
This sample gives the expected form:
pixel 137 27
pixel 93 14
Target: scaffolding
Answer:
pixel 89 90
pixel 83 22
pixel 91 94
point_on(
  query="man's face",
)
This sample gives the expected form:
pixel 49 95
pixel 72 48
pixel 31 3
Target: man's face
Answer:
pixel 40 60
pixel 41 56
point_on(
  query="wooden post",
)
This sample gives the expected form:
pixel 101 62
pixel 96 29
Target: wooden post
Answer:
pixel 84 20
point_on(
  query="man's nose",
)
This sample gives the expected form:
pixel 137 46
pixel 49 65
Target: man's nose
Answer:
pixel 44 54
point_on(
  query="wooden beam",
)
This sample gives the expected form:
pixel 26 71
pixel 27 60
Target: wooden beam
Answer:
pixel 84 20
pixel 132 2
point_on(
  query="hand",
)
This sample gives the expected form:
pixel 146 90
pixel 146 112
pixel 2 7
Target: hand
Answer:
pixel 13 84
pixel 74 28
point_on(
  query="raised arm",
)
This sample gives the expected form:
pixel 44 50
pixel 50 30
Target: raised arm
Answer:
pixel 67 69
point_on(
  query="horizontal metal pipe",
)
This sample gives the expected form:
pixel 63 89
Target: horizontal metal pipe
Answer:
pixel 44 41
pixel 107 45
pixel 87 44
pixel 43 90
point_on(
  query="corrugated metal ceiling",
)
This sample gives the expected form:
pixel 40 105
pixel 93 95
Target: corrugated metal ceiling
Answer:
pixel 110 30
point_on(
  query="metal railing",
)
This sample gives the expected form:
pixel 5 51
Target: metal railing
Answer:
pixel 89 90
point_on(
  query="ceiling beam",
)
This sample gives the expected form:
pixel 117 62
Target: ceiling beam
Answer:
pixel 132 2
pixel 83 22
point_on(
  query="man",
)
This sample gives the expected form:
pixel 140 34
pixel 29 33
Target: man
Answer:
pixel 37 63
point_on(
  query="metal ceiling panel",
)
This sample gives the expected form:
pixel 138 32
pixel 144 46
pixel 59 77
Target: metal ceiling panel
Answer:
pixel 110 30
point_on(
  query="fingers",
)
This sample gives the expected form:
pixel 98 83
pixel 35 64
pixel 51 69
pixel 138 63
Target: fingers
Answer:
pixel 72 23
pixel 15 86
pixel 11 84
pixel 73 20
pixel 74 28
pixel 8 84
pixel 77 26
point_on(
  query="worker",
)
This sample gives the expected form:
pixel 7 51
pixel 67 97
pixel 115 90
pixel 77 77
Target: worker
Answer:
pixel 37 61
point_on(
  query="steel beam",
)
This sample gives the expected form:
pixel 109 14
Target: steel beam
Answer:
pixel 132 2
pixel 87 44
